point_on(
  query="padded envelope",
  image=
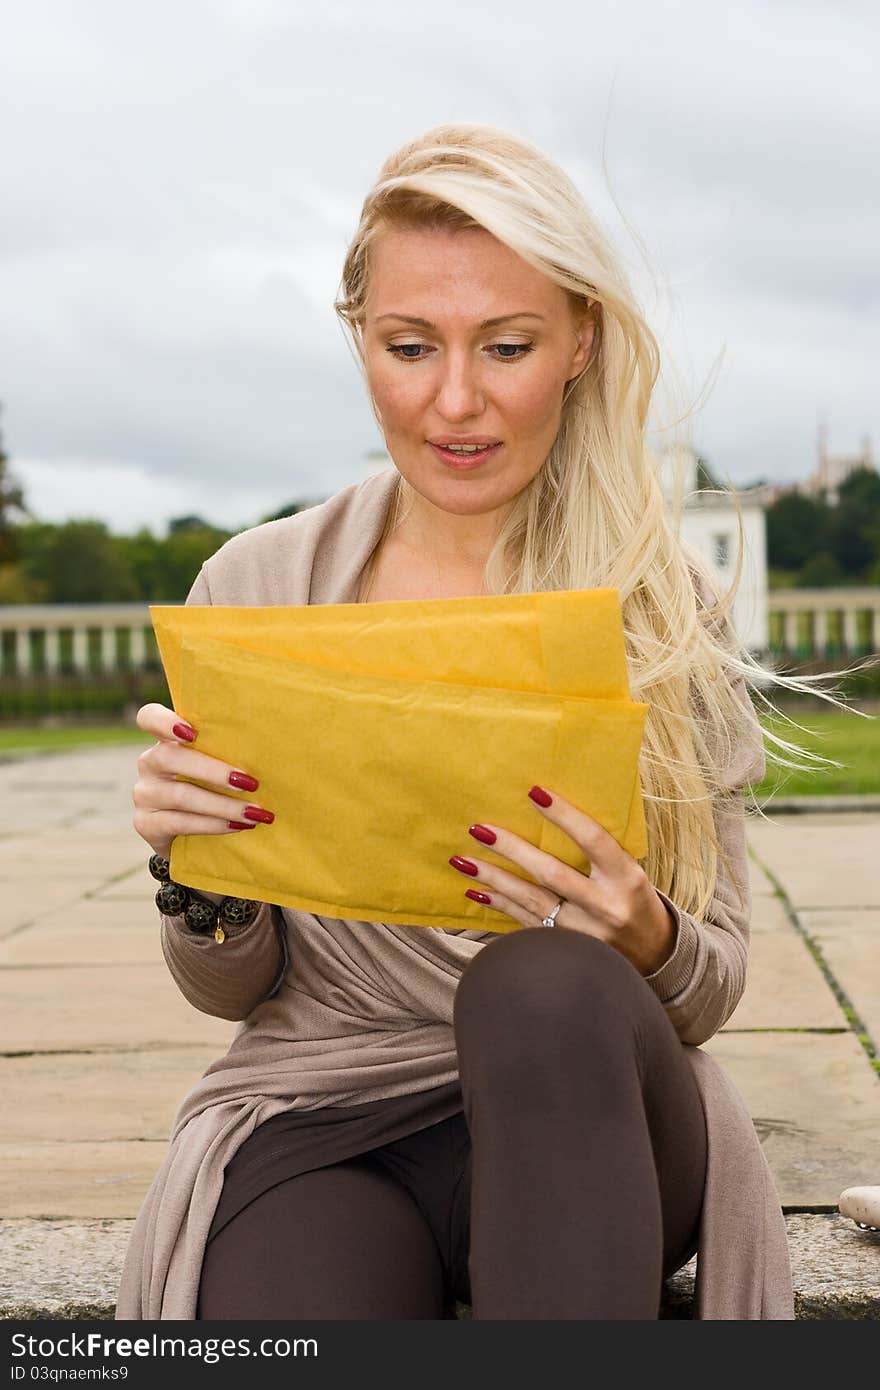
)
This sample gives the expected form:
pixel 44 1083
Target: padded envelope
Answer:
pixel 379 732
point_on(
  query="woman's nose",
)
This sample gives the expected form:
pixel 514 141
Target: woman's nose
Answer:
pixel 459 392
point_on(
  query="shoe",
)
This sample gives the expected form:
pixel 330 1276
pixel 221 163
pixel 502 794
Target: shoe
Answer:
pixel 863 1205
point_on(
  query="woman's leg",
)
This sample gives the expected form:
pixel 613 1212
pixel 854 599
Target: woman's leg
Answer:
pixel 345 1241
pixel 587 1131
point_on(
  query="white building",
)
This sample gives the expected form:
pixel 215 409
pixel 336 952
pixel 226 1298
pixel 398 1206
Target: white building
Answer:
pixel 708 524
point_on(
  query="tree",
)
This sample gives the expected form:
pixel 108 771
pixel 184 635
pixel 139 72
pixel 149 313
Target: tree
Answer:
pixel 798 527
pixel 705 477
pixel 183 554
pixel 78 562
pixel 187 523
pixel 34 540
pixel 855 528
pixel 820 572
pixel 143 556
pixel 11 499
pixel 290 509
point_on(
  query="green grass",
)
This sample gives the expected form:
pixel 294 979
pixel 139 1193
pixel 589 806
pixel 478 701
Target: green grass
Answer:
pixel 852 740
pixel 849 738
pixel 25 739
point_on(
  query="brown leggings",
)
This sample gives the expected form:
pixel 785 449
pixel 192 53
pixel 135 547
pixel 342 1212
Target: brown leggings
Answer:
pixel 568 1188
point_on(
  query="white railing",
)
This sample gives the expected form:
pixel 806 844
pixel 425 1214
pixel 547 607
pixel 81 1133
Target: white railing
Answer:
pixel 24 627
pixel 819 621
pixel 800 621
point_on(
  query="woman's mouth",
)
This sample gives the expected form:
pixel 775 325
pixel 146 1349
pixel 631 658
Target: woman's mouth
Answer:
pixel 464 460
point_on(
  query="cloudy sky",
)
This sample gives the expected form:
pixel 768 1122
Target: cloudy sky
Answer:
pixel 181 180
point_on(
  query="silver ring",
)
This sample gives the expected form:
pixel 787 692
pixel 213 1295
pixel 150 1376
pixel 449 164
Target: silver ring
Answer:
pixel 551 920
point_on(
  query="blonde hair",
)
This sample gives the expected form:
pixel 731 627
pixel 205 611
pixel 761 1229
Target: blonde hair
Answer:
pixel 595 515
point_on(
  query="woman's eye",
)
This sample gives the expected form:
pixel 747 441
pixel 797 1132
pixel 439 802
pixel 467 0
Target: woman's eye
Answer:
pixel 513 351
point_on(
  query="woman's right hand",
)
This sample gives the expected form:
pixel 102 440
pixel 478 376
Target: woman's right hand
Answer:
pixel 166 806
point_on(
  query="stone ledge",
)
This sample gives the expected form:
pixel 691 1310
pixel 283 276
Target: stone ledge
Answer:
pixel 69 1270
pixel 795 805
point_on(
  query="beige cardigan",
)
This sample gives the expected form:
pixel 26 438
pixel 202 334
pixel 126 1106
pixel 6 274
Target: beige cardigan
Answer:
pixel 336 1012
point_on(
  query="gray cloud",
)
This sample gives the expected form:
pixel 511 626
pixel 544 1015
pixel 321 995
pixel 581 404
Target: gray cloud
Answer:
pixel 182 180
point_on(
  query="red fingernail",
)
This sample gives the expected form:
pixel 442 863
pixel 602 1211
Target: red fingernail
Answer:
pixel 257 813
pixel 543 798
pixel 184 731
pixel 477 896
pixel 243 780
pixel 241 825
pixel 464 865
pixel 483 833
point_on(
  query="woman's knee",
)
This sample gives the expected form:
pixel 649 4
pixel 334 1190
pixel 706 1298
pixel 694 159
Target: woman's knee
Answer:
pixel 542 978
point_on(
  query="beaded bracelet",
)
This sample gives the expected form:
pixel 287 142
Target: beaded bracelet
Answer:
pixel 200 914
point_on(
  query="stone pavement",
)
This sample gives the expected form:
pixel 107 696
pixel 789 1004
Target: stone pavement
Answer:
pixel 98 1048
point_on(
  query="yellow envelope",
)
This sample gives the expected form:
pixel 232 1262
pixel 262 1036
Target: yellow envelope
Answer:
pixel 379 732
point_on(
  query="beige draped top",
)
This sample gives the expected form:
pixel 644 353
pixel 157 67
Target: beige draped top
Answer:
pixel 336 1012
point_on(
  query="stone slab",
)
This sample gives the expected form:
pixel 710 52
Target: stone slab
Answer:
pixel 70 1270
pixel 815 1102
pixel 136 885
pixel 61 1269
pixel 759 883
pixel 835 1271
pixel 25 900
pixel 100 1097
pixel 96 1008
pixel 821 805
pixel 75 810
pixel 64 853
pixel 77 1180
pixel 849 940
pixel 823 861
pixel 90 931
pixel 37 812
pixel 117 945
pixel 769 915
pixel 831 1257
pixel 99 911
pixel 785 987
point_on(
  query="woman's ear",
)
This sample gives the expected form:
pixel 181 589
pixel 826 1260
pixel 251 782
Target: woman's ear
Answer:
pixel 586 334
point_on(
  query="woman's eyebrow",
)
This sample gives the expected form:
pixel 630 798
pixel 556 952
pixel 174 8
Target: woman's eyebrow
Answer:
pixel 487 323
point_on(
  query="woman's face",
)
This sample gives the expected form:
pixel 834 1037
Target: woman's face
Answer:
pixel 449 377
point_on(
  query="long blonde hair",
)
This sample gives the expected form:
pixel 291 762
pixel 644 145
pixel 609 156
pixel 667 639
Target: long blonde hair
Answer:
pixel 595 515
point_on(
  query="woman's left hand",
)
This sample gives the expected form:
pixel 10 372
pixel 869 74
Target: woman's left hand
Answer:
pixel 615 902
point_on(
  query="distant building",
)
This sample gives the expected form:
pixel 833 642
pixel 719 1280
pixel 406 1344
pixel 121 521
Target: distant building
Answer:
pixel 834 469
pixel 830 472
pixel 709 526
pixel 768 493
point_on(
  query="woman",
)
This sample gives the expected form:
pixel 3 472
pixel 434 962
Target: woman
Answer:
pixel 406 1118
